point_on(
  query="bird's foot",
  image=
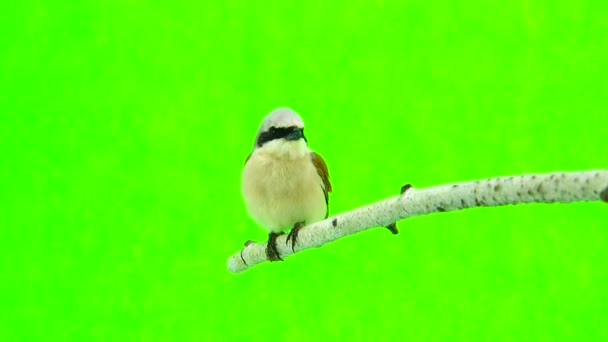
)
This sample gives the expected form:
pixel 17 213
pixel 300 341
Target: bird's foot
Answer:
pixel 272 253
pixel 293 234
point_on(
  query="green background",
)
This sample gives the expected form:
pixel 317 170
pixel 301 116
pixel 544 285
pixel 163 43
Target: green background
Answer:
pixel 124 126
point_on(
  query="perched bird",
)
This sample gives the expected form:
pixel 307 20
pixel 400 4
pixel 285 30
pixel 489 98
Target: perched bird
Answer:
pixel 285 185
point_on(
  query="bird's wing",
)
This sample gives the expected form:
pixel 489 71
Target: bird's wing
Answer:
pixel 321 167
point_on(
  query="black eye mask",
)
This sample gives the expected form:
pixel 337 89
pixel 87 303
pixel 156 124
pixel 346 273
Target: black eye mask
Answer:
pixel 288 133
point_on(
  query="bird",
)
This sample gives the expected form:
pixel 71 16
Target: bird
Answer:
pixel 285 185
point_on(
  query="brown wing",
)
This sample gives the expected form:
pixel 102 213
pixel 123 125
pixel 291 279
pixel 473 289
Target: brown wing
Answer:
pixel 322 171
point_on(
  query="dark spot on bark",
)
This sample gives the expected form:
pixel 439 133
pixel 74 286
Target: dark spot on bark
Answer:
pixel 587 181
pixel 477 203
pixel 604 195
pixel 440 209
pixel 575 180
pixel 405 188
pixel 454 186
pixel 463 203
pixel 533 177
pixel 518 194
pixel 334 222
pixel 497 187
pixel 540 188
pixel 552 177
pixel 530 192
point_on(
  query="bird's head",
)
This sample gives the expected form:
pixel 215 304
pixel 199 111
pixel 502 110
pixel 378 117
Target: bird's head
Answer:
pixel 282 134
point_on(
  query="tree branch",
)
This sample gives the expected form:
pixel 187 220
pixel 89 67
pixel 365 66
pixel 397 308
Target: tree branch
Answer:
pixel 547 188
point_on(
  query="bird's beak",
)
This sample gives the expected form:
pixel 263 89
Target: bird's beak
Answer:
pixel 295 135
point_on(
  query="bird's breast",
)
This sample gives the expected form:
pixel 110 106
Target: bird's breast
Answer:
pixel 280 192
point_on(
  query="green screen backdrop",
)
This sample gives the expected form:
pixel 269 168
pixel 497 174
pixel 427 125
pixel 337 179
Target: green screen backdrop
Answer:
pixel 124 126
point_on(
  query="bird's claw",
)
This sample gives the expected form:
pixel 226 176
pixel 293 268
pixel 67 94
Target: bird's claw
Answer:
pixel 293 235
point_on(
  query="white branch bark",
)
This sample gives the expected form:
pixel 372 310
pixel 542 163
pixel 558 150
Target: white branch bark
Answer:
pixel 547 188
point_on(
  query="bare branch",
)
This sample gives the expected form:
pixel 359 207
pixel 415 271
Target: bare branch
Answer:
pixel 548 188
